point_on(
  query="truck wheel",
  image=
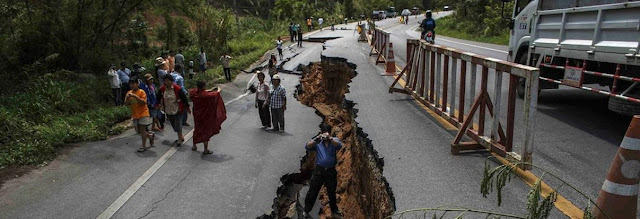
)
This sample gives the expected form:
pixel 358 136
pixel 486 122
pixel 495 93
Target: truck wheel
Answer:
pixel 624 107
pixel 520 87
pixel 521 82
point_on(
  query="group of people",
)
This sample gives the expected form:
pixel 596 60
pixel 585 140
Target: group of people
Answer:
pixel 119 80
pixel 152 103
pixel 271 101
pixel 295 32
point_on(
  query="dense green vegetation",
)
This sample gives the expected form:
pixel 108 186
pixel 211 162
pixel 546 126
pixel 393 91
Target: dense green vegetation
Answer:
pixel 477 20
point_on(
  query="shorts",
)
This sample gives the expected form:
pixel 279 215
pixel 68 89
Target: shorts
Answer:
pixel 145 121
pixel 176 121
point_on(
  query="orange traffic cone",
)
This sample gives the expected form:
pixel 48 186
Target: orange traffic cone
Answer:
pixel 391 62
pixel 619 194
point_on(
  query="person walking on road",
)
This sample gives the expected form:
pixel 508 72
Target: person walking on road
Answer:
pixel 124 74
pixel 320 22
pixel 309 24
pixel 137 100
pixel 226 66
pixel 202 59
pixel 295 28
pixel 179 80
pixel 208 112
pixel 279 46
pixel 150 89
pixel 114 81
pixel 326 148
pixel 262 101
pixel 278 104
pixel 291 32
pixel 299 37
pixel 173 101
pixel 273 62
pixel 180 61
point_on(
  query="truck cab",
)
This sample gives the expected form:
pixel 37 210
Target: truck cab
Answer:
pixel 589 45
pixel 391 12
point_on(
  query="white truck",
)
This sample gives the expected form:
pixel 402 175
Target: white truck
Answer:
pixel 593 45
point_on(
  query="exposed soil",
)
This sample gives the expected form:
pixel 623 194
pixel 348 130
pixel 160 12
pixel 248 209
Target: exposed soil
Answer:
pixel 363 192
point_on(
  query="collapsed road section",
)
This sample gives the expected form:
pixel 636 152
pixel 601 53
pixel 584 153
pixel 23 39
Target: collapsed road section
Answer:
pixel 362 192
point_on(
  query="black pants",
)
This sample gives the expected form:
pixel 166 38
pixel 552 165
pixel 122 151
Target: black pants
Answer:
pixel 299 40
pixel 291 36
pixel 321 176
pixel 277 116
pixel 227 73
pixel 124 87
pixel 117 96
pixel 265 116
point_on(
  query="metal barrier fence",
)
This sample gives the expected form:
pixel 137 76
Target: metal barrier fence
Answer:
pixel 431 77
pixel 380 44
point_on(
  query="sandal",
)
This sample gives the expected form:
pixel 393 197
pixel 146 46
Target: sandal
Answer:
pixel 207 152
pixel 151 140
pixel 142 150
pixel 194 148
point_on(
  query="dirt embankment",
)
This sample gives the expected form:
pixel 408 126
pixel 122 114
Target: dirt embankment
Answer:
pixel 363 192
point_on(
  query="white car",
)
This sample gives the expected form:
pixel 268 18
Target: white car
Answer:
pixel 446 8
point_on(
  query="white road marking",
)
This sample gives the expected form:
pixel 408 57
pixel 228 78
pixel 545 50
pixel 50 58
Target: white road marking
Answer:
pixel 118 203
pixel 481 47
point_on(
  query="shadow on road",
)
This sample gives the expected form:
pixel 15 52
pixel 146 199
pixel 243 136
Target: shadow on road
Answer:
pixel 216 158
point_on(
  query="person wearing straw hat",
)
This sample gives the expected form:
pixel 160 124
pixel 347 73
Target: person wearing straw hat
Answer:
pixel 278 104
pixel 160 72
pixel 262 101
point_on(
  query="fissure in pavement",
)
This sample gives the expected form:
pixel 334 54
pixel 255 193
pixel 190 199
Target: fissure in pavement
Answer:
pixel 362 192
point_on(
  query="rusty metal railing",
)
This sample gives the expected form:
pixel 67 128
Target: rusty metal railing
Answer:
pixel 431 76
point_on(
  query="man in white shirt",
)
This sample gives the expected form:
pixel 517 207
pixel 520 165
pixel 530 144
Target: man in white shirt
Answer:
pixel 114 81
pixel 203 60
pixel 320 21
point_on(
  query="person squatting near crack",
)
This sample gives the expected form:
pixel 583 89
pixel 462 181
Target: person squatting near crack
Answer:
pixel 324 173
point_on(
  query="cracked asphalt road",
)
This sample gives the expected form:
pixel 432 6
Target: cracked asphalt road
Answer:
pixel 240 179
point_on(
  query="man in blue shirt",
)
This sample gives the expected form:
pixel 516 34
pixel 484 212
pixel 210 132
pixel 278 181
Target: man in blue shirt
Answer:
pixel 124 74
pixel 326 148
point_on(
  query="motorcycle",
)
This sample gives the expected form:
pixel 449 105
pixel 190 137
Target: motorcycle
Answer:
pixel 429 37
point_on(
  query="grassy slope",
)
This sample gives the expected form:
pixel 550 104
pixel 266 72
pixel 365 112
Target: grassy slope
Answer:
pixel 448 30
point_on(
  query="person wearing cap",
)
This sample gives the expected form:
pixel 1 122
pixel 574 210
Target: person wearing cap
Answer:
pixel 324 173
pixel 160 72
pixel 278 104
pixel 150 89
pixel 262 101
pixel 124 74
pixel 136 98
pixel 114 81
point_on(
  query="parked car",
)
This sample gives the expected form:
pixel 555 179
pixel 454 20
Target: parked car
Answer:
pixel 391 12
pixel 446 8
pixel 378 15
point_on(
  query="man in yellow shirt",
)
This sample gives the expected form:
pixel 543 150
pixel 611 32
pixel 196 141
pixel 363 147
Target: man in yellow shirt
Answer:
pixel 136 98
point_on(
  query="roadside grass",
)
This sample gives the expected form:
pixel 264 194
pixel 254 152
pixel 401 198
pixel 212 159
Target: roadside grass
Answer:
pixel 58 109
pixel 447 27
